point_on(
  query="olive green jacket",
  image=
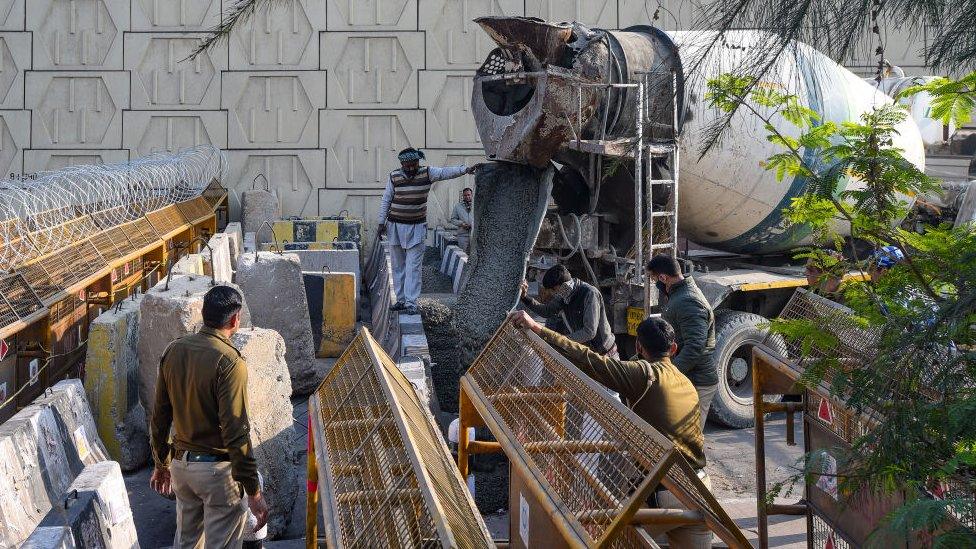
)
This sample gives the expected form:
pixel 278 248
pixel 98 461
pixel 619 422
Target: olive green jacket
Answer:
pixel 689 313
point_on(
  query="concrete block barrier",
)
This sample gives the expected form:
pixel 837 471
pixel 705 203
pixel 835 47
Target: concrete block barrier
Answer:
pixel 235 234
pixel 334 261
pixel 43 448
pixel 274 287
pixel 218 266
pixel 112 384
pixel 332 310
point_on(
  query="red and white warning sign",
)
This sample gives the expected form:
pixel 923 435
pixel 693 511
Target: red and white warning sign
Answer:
pixel 824 412
pixel 830 541
pixel 4 349
pixel 938 488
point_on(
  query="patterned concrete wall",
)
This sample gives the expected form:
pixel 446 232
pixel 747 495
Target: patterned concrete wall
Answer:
pixel 316 95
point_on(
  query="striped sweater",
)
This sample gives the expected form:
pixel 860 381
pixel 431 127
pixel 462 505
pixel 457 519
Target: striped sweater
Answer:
pixel 409 204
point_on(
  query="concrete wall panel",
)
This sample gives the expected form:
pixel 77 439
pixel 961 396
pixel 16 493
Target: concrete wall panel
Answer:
pixel 445 97
pixel 12 15
pixel 672 15
pixel 282 36
pixel 372 70
pixel 597 13
pixel 15 136
pixel 294 175
pixel 453 39
pixel 444 195
pixel 15 59
pixel 38 160
pixel 77 110
pixel 273 110
pixel 79 35
pixel 162 77
pixel 372 15
pixel 362 145
pixel 174 15
pixel 148 132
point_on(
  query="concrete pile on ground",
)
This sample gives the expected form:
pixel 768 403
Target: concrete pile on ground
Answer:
pixel 95 513
pixel 511 204
pixel 43 448
pixel 274 288
pixel 276 444
pixel 332 311
pixel 435 282
pixel 112 383
pixel 167 314
pixel 216 258
pixel 442 340
pixel 259 209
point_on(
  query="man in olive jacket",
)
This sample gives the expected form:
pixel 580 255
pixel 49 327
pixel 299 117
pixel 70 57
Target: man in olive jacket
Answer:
pixel 690 314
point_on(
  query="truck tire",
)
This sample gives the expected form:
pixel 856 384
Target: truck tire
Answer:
pixel 736 333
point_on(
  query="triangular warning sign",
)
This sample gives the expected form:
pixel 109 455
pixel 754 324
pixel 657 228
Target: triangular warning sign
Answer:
pixel 4 349
pixel 824 412
pixel 939 489
pixel 830 541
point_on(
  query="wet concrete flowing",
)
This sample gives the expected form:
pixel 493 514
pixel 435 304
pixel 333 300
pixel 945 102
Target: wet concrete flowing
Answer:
pixel 510 202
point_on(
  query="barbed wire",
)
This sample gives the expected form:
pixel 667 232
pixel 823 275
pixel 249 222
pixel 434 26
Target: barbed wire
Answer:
pixel 51 210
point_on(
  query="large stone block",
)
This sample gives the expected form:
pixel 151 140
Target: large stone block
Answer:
pixel 272 284
pixel 216 258
pixel 42 449
pixel 276 444
pixel 168 314
pixel 294 175
pixel 96 514
pixel 332 311
pixel 259 208
pixel 235 234
pixel 112 384
pixel 189 264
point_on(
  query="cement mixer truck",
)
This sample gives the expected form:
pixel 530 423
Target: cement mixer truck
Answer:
pixel 622 116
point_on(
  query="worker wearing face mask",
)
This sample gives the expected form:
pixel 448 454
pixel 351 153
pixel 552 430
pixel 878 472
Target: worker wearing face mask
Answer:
pixel 403 217
pixel 573 308
pixel 687 310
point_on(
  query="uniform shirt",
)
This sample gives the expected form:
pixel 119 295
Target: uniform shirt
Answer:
pixel 410 235
pixel 201 391
pixel 656 391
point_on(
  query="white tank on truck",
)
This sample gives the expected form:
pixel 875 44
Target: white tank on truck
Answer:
pixel 565 94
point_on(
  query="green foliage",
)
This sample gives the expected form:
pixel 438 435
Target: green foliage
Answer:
pixel 953 101
pixel 917 381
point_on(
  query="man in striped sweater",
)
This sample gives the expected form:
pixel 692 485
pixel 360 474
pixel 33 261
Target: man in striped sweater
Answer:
pixel 403 217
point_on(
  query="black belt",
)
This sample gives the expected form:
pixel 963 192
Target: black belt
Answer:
pixel 201 457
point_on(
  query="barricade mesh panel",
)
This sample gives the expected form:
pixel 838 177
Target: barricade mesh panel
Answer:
pixel 384 461
pixel 592 454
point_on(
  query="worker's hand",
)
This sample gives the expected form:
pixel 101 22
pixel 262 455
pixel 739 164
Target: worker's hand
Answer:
pixel 475 168
pixel 161 482
pixel 522 319
pixel 259 508
pixel 524 288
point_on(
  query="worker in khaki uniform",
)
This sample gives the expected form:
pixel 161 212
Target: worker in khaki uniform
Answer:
pixel 658 393
pixel 201 392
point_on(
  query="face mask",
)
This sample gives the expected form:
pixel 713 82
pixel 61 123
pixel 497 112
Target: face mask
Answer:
pixel 661 287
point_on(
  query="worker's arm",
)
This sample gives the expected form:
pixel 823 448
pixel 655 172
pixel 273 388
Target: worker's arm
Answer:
pixel 625 377
pixel 441 174
pixel 161 420
pixel 548 309
pixel 234 426
pixel 693 323
pixel 385 201
pixel 591 319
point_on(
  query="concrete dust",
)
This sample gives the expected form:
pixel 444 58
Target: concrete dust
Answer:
pixel 510 202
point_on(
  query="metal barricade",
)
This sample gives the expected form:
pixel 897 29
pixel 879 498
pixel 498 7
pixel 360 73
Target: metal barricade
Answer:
pixel 386 477
pixel 582 464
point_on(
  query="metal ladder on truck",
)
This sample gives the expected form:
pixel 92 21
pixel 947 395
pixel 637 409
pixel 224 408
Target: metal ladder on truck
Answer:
pixel 655 180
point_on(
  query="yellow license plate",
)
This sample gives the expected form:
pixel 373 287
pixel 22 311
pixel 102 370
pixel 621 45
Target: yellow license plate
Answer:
pixel 635 315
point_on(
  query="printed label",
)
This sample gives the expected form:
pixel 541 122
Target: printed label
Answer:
pixel 33 369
